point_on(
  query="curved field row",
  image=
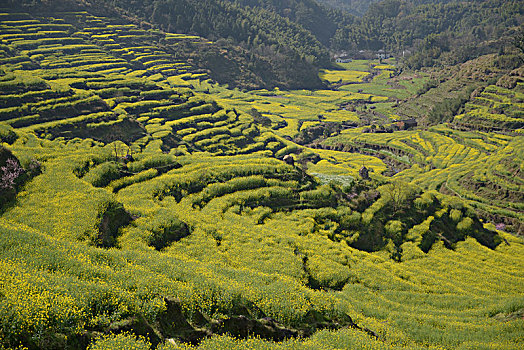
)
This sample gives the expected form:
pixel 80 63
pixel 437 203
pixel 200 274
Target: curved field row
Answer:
pixel 496 108
pixel 119 87
pixel 236 208
pixel 493 184
pixel 180 215
pixel 134 45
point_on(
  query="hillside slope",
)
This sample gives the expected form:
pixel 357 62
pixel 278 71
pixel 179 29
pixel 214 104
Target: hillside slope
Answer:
pixel 355 7
pixel 144 206
pixel 447 32
pixel 255 45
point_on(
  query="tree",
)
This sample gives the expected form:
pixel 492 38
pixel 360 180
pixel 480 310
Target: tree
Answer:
pixel 518 40
pixel 398 193
pixel 394 230
pixel 9 174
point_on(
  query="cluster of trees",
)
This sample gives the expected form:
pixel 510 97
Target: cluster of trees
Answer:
pixel 251 26
pixel 280 43
pixel 452 30
pixel 449 31
pixel 355 7
pixel 258 44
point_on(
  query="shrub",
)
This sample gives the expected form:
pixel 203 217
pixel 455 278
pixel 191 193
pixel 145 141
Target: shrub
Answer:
pixel 326 273
pixel 165 229
pixel 424 201
pixel 9 173
pixel 428 238
pixel 103 174
pixel 465 225
pixel 7 134
pixel 10 176
pixel 455 215
pixel 111 217
pixel 394 229
pixel 398 194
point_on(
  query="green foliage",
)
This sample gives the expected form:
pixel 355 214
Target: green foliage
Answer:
pixel 394 229
pixel 7 134
pixel 445 111
pixel 185 219
pixel 110 218
pixel 447 31
pixel 326 273
pixel 164 230
pixel 271 59
pixel 398 195
pixel 465 225
pixel 455 215
pixel 323 196
pixel 102 174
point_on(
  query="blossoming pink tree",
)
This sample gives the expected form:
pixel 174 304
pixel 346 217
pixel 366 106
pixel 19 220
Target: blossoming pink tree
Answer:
pixel 9 173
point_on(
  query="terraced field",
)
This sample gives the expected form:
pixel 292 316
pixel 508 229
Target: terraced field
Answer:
pixel 109 81
pixel 208 230
pixel 349 100
pixel 155 208
pixel 430 158
pixel 482 168
pixel 496 108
